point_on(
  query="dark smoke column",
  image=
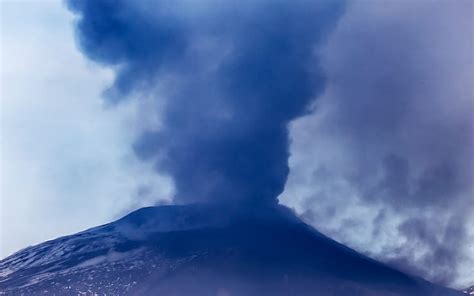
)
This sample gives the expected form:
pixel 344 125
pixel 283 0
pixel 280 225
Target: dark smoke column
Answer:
pixel 227 77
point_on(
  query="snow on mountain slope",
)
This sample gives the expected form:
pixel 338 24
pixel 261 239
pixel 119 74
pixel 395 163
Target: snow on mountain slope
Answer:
pixel 202 250
pixel 469 291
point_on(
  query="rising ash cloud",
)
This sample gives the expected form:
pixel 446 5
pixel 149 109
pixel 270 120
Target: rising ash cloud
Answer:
pixel 225 79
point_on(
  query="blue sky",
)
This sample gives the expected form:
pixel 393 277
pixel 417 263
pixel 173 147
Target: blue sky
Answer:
pixel 383 164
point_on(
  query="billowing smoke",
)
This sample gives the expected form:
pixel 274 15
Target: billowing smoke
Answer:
pixel 225 77
pixel 385 164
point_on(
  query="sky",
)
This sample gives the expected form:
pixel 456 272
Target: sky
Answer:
pixel 381 159
pixel 66 162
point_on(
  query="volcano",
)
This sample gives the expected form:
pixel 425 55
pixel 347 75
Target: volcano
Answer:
pixel 203 249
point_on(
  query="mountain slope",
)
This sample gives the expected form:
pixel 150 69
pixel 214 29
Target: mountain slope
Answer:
pixel 469 291
pixel 202 250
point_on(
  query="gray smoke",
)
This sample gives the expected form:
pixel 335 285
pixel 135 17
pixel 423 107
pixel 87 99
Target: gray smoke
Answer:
pixel 386 162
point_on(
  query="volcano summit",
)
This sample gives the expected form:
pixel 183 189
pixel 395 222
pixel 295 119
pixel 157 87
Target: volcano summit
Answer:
pixel 202 250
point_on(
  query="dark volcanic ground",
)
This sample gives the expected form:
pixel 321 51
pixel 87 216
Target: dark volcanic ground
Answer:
pixel 202 250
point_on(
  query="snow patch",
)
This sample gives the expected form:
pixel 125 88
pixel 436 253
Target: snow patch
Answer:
pixel 111 256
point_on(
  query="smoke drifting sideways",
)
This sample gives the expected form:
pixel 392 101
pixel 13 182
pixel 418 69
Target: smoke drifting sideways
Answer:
pixel 226 78
pixel 385 165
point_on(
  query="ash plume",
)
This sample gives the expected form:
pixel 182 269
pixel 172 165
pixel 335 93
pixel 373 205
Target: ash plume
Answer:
pixel 226 78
